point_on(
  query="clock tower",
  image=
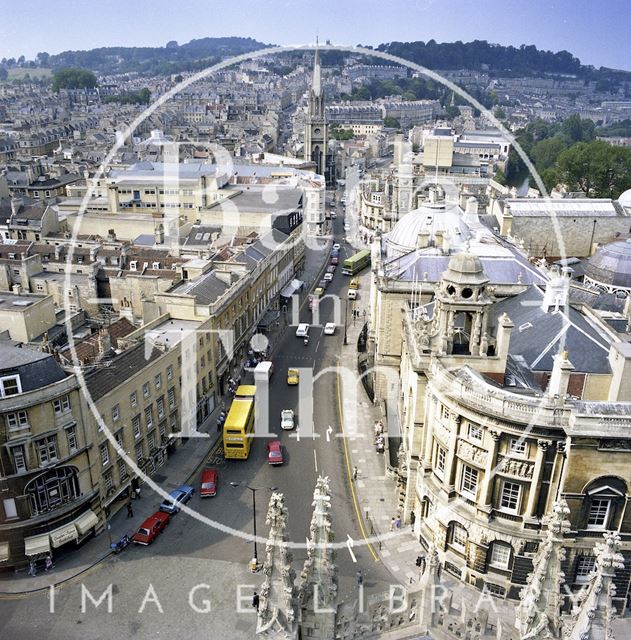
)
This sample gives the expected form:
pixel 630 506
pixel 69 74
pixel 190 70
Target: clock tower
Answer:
pixel 316 127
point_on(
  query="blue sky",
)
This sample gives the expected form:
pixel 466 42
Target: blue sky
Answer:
pixel 594 30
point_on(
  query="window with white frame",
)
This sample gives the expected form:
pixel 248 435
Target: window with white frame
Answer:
pixel 598 515
pixel 135 425
pixel 500 555
pixel 510 496
pixel 116 414
pixel 61 405
pixel 469 483
pixel 10 386
pixel 584 567
pixel 108 482
pixel 475 432
pixel 162 428
pixel 149 417
pixel 151 441
pixel 19 459
pixel 441 458
pixel 122 470
pixel 105 454
pixel 444 412
pixel 170 372
pixel 133 399
pixel 145 390
pixel 518 446
pixel 17 420
pixel 118 436
pixel 158 381
pixel 173 423
pixel 47 449
pixel 171 394
pixel 495 590
pixel 458 536
pixel 160 406
pixel 71 437
pixel 139 452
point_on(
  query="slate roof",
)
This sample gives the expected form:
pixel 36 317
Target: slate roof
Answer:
pixel 538 336
pixel 206 289
pixel 35 368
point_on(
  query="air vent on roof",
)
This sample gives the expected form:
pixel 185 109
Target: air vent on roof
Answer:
pixel 22 303
pixel 523 327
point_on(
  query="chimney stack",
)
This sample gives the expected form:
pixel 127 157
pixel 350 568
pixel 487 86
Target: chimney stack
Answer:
pixel 105 343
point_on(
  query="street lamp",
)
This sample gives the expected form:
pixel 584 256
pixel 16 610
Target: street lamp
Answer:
pixel 255 559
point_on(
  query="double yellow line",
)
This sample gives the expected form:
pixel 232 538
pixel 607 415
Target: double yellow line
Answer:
pixel 349 473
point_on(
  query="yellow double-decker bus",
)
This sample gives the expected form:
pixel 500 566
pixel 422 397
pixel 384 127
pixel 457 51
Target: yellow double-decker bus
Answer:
pixel 239 424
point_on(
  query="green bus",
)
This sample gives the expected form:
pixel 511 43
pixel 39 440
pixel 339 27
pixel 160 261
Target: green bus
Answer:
pixel 356 263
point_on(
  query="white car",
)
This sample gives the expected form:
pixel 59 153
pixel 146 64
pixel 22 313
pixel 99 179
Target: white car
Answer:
pixel 329 328
pixel 336 246
pixel 347 226
pixel 287 419
pixel 328 277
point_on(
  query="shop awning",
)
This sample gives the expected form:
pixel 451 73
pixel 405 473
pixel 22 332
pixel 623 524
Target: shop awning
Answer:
pixel 35 545
pixel 291 288
pixel 4 551
pixel 86 521
pixel 64 534
pixel 270 316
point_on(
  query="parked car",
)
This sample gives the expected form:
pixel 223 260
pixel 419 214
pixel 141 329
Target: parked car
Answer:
pixel 208 483
pixel 287 419
pixel 177 498
pixel 274 452
pixel 354 284
pixel 302 331
pixel 336 246
pixel 328 276
pixel 330 269
pixel 329 328
pixel 335 260
pixel 319 291
pixel 151 528
pixel 323 284
pixel 293 376
pixel 352 294
pixel 347 226
pixel 333 215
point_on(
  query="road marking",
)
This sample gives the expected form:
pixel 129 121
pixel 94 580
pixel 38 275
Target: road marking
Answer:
pixel 315 460
pixel 349 474
pixel 350 543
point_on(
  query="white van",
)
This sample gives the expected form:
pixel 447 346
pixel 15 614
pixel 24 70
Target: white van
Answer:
pixel 303 330
pixel 352 294
pixel 263 370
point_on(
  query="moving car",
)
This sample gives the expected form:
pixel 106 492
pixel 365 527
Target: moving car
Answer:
pixel 335 260
pixel 274 452
pixel 177 498
pixel 328 276
pixel 352 294
pixel 319 291
pixel 336 246
pixel 330 269
pixel 293 376
pixel 302 330
pixel 208 483
pixel 333 215
pixel 347 226
pixel 287 419
pixel 329 328
pixel 151 528
pixel 354 284
pixel 323 284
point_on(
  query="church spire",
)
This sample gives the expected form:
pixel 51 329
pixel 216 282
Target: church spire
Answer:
pixel 593 617
pixel 277 618
pixel 538 613
pixel 316 81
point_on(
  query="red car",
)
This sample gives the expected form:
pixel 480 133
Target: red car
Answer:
pixel 334 260
pixel 274 452
pixel 151 528
pixel 208 483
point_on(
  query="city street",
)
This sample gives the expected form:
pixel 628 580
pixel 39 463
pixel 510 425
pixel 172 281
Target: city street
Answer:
pixel 191 552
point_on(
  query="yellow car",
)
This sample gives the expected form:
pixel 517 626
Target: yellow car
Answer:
pixel 354 284
pixel 293 377
pixel 318 292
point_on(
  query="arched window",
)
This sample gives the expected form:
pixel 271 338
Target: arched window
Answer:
pixel 53 489
pixel 500 554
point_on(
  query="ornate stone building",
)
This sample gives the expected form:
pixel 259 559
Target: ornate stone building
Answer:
pixel 316 126
pixel 498 421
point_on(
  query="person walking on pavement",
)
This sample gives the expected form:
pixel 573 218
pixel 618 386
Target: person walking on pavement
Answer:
pixel 360 578
pixel 355 471
pixel 130 510
pixel 412 519
pixel 392 523
pixel 397 522
pixel 255 601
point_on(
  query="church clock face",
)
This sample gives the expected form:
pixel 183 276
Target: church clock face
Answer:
pixel 317 131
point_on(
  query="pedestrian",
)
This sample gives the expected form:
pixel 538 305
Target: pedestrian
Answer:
pixel 397 522
pixel 32 568
pixel 138 493
pixel 48 563
pixel 130 510
pixel 392 523
pixel 360 578
pixel 133 494
pixel 255 601
pixel 412 518
pixel 355 473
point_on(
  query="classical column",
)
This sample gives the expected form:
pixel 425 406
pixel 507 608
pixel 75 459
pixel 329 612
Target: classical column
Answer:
pixel 448 478
pixel 537 472
pixel 485 499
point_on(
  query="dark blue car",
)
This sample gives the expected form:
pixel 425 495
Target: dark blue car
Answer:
pixel 177 497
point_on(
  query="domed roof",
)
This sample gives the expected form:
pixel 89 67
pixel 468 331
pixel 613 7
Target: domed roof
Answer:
pixel 625 198
pixel 465 268
pixel 611 265
pixel 429 219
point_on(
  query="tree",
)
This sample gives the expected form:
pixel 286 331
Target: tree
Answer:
pixel 575 129
pixel 4 74
pixel 391 123
pixel 544 153
pixel 452 111
pixel 73 78
pixel 42 58
pixel 500 114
